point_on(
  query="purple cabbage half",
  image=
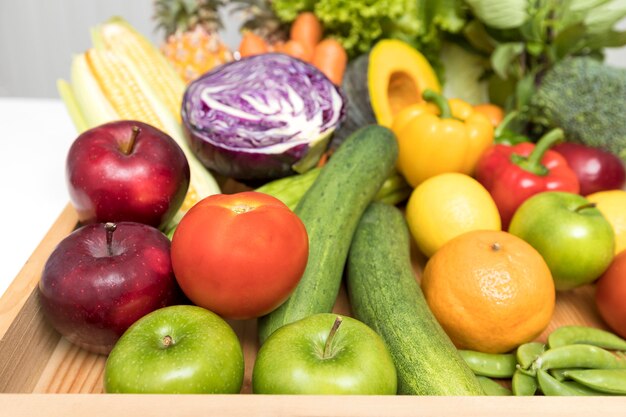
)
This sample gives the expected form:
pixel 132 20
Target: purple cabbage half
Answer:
pixel 262 117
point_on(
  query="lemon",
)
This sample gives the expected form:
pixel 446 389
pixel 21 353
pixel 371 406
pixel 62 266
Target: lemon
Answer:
pixel 446 206
pixel 612 204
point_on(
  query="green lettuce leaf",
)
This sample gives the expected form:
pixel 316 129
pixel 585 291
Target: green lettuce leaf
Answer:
pixel 502 14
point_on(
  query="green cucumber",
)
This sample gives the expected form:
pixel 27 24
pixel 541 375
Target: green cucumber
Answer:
pixel 330 211
pixel 385 295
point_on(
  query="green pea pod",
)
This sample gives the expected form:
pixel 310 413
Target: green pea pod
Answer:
pixel 491 387
pixel 583 390
pixel 528 352
pixel 494 365
pixel 523 385
pixel 612 381
pixel 395 197
pixel 578 356
pixel 559 373
pixel 551 387
pixel 574 335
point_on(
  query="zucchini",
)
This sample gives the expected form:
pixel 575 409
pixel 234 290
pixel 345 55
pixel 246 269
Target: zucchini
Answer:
pixel 330 211
pixel 385 295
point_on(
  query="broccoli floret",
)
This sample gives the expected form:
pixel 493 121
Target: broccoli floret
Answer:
pixel 587 100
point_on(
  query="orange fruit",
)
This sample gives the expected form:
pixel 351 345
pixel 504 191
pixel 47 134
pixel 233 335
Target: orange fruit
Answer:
pixel 494 113
pixel 490 291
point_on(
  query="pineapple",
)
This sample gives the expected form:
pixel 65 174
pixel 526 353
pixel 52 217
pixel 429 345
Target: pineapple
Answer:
pixel 259 18
pixel 192 45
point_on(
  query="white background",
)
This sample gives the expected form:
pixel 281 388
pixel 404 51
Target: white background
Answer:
pixel 37 40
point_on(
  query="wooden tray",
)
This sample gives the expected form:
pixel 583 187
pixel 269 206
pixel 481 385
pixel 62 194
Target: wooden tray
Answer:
pixel 35 362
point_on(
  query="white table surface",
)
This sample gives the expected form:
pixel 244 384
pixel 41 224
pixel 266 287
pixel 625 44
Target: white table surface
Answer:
pixel 35 136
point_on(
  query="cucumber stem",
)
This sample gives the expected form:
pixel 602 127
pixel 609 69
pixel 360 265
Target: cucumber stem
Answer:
pixel 331 336
pixel 110 228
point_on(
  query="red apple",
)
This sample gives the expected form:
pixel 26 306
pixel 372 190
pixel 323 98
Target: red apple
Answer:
pixel 126 171
pixel 102 278
pixel 596 169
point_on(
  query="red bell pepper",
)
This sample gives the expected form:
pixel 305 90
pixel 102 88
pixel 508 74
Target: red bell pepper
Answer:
pixel 512 174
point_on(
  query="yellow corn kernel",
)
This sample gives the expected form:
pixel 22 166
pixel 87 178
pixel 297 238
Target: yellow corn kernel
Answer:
pixel 120 37
pixel 190 199
pixel 121 88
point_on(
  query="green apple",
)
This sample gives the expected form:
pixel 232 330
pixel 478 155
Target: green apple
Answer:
pixel 574 238
pixel 324 354
pixel 177 349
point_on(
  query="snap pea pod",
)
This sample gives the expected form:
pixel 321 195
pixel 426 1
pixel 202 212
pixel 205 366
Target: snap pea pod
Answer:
pixel 523 385
pixel 615 377
pixel 583 390
pixel 559 373
pixel 526 355
pixel 551 387
pixel 578 356
pixel 612 381
pixel 573 335
pixel 494 365
pixel 491 387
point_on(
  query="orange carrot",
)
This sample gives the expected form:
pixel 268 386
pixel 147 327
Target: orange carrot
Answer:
pixel 331 58
pixel 306 29
pixel 252 44
pixel 278 46
pixel 298 50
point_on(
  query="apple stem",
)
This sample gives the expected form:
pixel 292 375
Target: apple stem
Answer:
pixel 585 206
pixel 110 228
pixel 167 341
pixel 131 142
pixel 331 335
pixel 495 246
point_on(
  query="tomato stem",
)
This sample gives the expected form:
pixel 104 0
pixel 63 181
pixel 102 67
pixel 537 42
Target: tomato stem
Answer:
pixel 331 336
pixel 241 208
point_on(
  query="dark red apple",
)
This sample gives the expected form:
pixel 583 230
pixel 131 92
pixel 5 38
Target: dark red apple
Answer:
pixel 126 171
pixel 102 278
pixel 596 169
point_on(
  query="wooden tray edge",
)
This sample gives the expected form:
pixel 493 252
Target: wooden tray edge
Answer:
pixel 96 405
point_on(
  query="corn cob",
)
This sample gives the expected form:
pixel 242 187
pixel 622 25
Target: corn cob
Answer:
pixel 114 77
pixel 95 107
pixel 120 37
pixel 68 97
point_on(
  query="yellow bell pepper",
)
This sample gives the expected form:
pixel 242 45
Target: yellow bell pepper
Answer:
pixel 438 135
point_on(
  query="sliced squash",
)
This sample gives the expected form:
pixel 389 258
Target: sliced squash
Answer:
pixel 380 84
pixel 397 75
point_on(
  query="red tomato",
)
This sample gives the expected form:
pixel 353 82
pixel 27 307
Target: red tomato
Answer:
pixel 611 294
pixel 239 255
